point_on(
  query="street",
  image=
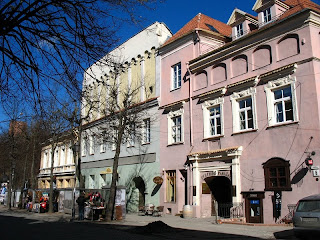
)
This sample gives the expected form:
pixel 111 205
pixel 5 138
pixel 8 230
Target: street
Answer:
pixel 19 225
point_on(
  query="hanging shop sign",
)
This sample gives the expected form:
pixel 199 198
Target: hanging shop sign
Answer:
pixel 158 180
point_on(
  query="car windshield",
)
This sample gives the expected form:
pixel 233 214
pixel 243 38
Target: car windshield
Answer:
pixel 309 206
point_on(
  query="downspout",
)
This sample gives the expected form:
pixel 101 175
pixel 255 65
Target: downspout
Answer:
pixel 190 178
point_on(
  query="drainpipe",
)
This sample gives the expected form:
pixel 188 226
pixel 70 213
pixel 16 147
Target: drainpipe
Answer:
pixel 189 173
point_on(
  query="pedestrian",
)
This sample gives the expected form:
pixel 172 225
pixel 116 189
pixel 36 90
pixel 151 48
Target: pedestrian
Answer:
pixel 81 202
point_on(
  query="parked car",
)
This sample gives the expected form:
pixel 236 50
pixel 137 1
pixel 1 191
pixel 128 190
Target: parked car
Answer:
pixel 306 219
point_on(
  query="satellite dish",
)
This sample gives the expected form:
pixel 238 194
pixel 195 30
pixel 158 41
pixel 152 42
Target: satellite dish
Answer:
pixel 297 178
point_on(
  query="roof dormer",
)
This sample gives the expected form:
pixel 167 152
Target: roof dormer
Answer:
pixel 242 23
pixel 269 10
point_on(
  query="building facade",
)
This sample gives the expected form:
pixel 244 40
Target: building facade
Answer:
pixel 64 167
pixel 239 102
pixel 136 70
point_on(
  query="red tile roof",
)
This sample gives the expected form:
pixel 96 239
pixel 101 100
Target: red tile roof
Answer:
pixel 201 22
pixel 299 5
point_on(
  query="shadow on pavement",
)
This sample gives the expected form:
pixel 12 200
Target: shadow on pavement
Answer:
pixel 287 234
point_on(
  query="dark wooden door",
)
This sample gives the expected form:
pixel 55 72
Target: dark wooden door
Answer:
pixel 254 210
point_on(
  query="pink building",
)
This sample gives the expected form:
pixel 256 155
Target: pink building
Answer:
pixel 240 113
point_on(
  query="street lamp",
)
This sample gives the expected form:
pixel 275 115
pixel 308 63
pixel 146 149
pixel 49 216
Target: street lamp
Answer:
pixel 75 150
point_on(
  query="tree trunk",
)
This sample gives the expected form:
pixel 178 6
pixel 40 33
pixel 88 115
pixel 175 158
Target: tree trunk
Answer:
pixel 113 187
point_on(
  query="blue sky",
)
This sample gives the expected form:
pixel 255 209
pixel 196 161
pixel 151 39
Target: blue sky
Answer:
pixel 176 13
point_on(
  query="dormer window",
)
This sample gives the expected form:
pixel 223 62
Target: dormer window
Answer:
pixel 267 15
pixel 239 30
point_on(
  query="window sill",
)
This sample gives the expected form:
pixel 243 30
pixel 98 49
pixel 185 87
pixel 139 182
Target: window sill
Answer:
pixel 172 90
pixel 147 143
pixel 278 189
pixel 176 143
pixel 244 131
pixel 213 138
pixel 282 124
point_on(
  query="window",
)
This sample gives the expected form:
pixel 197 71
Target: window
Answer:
pixel 103 178
pixel 103 146
pixel 281 101
pixel 91 182
pixel 171 186
pixel 245 114
pixel 283 104
pixel 176 76
pixel 277 175
pixel 146 131
pixel 213 118
pixel 114 139
pixel 239 29
pixel 132 135
pixel 243 110
pixel 267 15
pixel 91 145
pixel 175 127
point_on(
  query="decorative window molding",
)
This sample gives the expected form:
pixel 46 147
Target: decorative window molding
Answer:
pixel 213 118
pixel 175 126
pixel 277 175
pixel 282 101
pixel 244 114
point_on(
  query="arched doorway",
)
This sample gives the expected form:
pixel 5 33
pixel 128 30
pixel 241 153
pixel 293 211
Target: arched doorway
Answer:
pixel 141 187
pixel 221 193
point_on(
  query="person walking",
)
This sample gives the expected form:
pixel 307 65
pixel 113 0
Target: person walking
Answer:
pixel 81 202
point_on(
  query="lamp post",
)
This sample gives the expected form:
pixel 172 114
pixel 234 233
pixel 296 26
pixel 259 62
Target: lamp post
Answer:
pixel 75 150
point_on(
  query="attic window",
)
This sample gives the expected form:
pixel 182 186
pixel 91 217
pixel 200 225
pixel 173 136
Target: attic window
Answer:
pixel 267 15
pixel 212 28
pixel 239 30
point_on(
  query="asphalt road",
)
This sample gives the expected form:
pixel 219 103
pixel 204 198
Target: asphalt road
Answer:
pixel 13 227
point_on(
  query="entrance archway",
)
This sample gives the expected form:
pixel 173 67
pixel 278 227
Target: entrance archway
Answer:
pixel 221 191
pixel 141 187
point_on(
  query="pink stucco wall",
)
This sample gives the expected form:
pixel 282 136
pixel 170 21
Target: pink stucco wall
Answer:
pixel 288 141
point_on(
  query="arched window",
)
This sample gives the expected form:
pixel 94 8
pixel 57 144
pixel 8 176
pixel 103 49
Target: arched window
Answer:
pixel 277 175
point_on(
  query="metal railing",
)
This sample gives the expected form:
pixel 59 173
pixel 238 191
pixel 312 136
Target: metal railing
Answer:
pixel 231 210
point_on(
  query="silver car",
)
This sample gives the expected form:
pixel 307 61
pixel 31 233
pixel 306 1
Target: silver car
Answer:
pixel 306 219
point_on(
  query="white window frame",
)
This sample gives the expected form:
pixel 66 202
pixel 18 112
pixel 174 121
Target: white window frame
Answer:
pixel 267 16
pixel 91 144
pixel 239 30
pixel 206 106
pixel 235 99
pixel 131 135
pixel 176 76
pixel 83 147
pixel 288 81
pixel 171 116
pixel 103 146
pixel 146 131
pixel 114 139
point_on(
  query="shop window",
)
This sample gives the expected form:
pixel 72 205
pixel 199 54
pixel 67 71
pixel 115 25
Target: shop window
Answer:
pixel 171 186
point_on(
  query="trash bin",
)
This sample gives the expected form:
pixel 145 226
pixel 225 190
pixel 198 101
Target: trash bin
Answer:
pixel 119 212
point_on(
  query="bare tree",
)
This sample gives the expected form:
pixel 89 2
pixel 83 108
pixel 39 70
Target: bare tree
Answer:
pixel 122 124
pixel 51 42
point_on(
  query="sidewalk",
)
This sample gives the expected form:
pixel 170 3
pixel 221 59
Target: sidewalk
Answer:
pixel 166 222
